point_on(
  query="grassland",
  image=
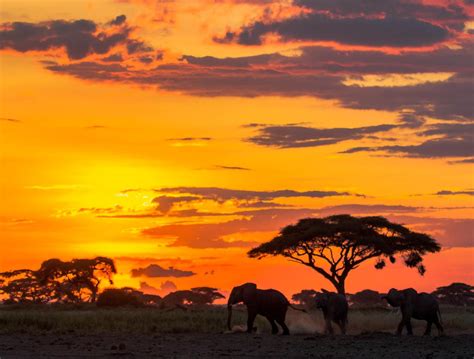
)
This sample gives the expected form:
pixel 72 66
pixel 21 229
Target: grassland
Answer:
pixel 89 320
pixel 86 332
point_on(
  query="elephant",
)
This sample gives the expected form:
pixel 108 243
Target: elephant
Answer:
pixel 334 307
pixel 269 303
pixel 422 306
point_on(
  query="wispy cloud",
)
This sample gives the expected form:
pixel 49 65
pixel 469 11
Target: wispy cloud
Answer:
pixel 155 270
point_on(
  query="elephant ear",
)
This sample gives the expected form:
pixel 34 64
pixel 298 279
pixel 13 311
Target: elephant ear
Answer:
pixel 249 291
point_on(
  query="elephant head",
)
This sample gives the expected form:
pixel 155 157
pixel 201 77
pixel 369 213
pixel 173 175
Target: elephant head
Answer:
pixel 321 299
pixel 397 298
pixel 243 293
pixel 394 297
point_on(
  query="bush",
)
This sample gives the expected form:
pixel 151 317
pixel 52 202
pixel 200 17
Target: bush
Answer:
pixel 118 298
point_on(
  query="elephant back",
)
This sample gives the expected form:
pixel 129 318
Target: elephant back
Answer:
pixel 424 306
pixel 271 298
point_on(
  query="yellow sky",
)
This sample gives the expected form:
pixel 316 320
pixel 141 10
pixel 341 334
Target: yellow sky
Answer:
pixel 79 143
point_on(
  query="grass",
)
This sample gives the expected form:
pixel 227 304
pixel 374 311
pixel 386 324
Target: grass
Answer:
pixel 89 320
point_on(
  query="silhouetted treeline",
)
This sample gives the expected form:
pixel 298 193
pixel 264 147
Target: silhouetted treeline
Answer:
pixel 199 296
pixel 56 281
pixel 459 294
pixel 79 280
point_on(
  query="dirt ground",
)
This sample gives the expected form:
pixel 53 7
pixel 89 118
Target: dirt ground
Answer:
pixel 239 345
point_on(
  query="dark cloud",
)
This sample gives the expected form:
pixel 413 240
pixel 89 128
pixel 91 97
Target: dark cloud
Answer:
pixel 319 72
pixel 368 31
pixel 95 127
pixel 327 59
pixel 101 210
pixel 465 161
pixel 232 168
pixel 148 289
pixel 137 46
pixel 299 136
pixel 148 260
pixel 155 270
pixel 191 139
pixel 211 235
pixel 452 140
pixel 450 232
pixel 79 38
pixel 451 14
pixel 119 20
pixel 11 120
pixel 224 194
pixel 366 209
pixel 113 58
pixel 166 203
pixel 455 193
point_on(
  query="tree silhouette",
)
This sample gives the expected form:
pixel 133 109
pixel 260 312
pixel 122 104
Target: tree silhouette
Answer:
pixel 366 297
pixel 117 297
pixel 456 294
pixel 77 280
pixel 334 246
pixel 196 296
pixel 306 297
pixel 73 281
pixel 22 287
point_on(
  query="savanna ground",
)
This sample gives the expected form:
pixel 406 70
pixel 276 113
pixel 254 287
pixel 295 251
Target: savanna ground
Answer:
pixel 146 332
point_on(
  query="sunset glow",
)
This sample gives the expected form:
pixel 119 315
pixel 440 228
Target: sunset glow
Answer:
pixel 183 133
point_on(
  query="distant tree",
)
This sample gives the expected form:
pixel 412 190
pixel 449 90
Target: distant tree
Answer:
pixel 306 297
pixel 456 294
pixel 206 295
pixel 366 297
pixel 22 287
pixel 119 297
pixel 77 280
pixel 73 281
pixel 334 246
pixel 195 296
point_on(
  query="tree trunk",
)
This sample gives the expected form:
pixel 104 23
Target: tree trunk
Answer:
pixel 340 287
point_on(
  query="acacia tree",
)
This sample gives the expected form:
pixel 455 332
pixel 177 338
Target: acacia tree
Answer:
pixel 366 297
pixel 77 280
pixel 21 286
pixel 306 297
pixel 456 294
pixel 334 246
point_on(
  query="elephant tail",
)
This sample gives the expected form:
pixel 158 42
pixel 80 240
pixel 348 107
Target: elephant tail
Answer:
pixel 439 316
pixel 299 309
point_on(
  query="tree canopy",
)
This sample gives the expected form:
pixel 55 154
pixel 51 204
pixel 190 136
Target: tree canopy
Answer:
pixel 306 297
pixel 366 297
pixel 59 281
pixel 335 245
pixel 456 294
pixel 195 296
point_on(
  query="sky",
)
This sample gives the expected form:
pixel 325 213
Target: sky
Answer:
pixel 175 135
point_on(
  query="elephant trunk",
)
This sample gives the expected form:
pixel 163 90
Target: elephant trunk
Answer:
pixel 229 316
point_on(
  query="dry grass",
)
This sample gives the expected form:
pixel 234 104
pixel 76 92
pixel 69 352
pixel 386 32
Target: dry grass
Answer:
pixel 90 320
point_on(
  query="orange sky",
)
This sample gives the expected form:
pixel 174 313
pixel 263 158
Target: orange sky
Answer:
pixel 93 150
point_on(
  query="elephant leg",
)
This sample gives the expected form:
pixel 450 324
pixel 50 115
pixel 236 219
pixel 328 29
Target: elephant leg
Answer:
pixel 273 324
pixel 409 328
pixel 428 327
pixel 250 320
pixel 342 325
pixel 329 329
pixel 400 327
pixel 281 321
pixel 438 326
